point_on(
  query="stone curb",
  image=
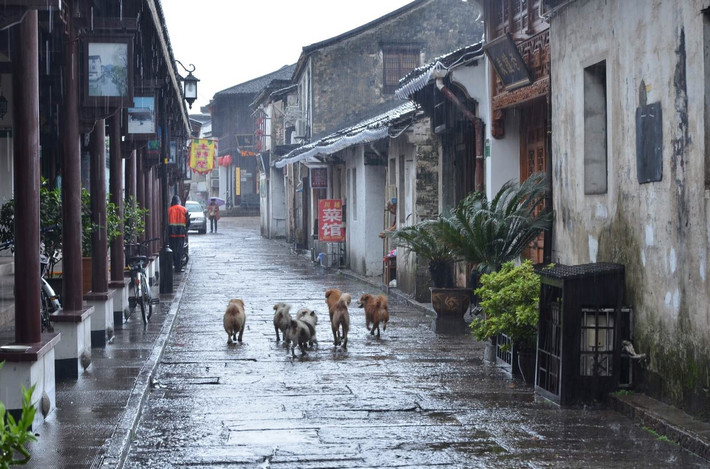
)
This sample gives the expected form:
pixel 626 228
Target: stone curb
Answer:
pixel 666 420
pixel 117 446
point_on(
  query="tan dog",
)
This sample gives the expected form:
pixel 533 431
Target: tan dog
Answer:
pixel 331 297
pixel 376 312
pixel 309 316
pixel 341 320
pixel 282 320
pixel 234 319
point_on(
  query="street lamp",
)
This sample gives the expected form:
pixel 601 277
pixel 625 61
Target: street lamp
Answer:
pixel 189 84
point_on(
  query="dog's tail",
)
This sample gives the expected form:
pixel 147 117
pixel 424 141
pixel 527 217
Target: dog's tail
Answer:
pixel 344 299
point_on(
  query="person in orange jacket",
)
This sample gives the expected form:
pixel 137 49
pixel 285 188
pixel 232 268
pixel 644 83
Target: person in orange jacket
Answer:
pixel 179 221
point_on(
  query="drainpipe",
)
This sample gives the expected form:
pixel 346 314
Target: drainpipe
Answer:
pixel 477 125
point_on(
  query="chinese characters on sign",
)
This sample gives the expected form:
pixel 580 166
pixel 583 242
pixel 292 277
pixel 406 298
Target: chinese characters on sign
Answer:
pixel 202 155
pixel 508 63
pixel 319 178
pixel 330 217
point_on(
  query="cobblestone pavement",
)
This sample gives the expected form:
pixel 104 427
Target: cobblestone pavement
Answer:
pixel 420 396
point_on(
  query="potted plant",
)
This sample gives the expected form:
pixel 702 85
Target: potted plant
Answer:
pixel 87 229
pixel 424 239
pixel 509 298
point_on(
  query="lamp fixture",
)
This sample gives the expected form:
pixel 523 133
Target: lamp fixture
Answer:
pixel 189 84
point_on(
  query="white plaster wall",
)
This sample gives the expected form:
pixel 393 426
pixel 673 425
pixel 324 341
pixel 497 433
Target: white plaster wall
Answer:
pixel 658 230
pixel 365 247
pixel 277 201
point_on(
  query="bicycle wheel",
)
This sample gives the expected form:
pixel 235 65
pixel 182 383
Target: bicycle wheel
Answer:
pixel 147 296
pixel 45 306
pixel 132 298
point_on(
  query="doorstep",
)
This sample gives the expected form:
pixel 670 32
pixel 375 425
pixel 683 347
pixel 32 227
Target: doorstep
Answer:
pixel 669 421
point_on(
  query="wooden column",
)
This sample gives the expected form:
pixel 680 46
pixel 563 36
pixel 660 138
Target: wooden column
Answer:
pixel 25 86
pixel 97 171
pixel 116 190
pixel 72 299
pixel 150 204
pixel 131 174
pixel 140 189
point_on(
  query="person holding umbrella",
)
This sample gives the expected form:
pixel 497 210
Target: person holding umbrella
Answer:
pixel 213 214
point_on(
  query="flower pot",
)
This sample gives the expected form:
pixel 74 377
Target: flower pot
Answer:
pixel 450 302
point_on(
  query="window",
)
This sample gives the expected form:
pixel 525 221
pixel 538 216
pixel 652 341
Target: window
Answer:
pixel 397 61
pixel 595 147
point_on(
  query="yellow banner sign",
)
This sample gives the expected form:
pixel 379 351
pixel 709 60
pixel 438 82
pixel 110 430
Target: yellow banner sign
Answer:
pixel 203 153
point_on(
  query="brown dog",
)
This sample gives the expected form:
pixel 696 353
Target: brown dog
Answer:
pixel 282 320
pixel 331 297
pixel 376 312
pixel 234 319
pixel 341 320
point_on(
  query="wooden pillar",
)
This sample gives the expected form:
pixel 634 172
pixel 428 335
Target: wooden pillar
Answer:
pixel 140 189
pixel 131 174
pixel 116 190
pixel 25 86
pixel 150 204
pixel 72 299
pixel 97 171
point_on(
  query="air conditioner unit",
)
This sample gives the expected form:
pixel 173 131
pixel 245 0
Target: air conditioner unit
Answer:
pixel 300 129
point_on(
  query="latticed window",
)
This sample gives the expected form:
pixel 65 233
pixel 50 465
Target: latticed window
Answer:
pixel 397 62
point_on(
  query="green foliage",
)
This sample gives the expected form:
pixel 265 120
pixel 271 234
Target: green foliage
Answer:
pixel 424 239
pixel 133 220
pixel 7 221
pixel 487 234
pixel 88 227
pixel 15 434
pixel 509 298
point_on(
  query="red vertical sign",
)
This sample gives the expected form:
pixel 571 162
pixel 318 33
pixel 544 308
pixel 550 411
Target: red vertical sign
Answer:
pixel 330 218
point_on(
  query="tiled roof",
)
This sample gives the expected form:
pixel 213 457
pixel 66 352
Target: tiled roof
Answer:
pixel 419 77
pixel 257 84
pixel 369 130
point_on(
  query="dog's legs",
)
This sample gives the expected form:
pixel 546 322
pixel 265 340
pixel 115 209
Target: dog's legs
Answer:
pixel 277 334
pixel 336 340
pixel 345 338
pixel 229 338
pixel 241 332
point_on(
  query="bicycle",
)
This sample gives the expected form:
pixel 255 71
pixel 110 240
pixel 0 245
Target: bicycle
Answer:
pixel 139 293
pixel 49 300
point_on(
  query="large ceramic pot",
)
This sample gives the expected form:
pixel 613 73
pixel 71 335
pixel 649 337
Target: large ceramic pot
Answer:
pixel 450 302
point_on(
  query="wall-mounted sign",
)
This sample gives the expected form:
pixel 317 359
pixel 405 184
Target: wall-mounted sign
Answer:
pixel 141 117
pixel 237 181
pixel 507 62
pixel 330 221
pixel 319 178
pixel 245 142
pixel 108 70
pixel 203 153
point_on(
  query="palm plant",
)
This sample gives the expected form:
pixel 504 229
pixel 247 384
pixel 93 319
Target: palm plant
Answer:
pixel 488 234
pixel 424 239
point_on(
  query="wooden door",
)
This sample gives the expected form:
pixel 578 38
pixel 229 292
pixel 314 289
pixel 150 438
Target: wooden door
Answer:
pixel 533 159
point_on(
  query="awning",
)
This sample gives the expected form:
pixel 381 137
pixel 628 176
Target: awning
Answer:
pixel 367 131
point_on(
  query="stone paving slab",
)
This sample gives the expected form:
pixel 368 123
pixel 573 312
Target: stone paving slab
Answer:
pixel 420 396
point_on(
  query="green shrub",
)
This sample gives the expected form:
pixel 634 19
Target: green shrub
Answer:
pixel 509 298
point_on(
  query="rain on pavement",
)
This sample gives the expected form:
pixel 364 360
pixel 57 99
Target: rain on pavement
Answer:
pixel 420 396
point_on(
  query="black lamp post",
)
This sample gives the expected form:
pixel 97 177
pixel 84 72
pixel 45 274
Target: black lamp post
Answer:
pixel 189 84
pixel 166 255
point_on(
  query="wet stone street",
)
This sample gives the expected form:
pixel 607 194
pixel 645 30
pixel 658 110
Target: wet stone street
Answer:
pixel 420 396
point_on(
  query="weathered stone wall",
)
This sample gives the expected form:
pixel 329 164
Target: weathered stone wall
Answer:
pixel 348 76
pixel 654 52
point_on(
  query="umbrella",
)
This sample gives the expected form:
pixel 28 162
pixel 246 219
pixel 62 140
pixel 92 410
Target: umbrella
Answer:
pixel 217 200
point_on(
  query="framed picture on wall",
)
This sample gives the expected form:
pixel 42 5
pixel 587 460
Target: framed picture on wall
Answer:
pixel 108 70
pixel 141 118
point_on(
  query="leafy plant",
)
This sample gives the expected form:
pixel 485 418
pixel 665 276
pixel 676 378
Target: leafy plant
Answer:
pixel 509 298
pixel 88 227
pixel 424 239
pixel 487 234
pixel 133 220
pixel 15 434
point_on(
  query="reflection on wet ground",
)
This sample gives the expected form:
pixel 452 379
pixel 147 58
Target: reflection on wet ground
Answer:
pixel 419 396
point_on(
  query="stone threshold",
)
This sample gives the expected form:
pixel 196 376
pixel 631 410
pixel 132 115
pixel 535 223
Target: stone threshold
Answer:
pixel 666 420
